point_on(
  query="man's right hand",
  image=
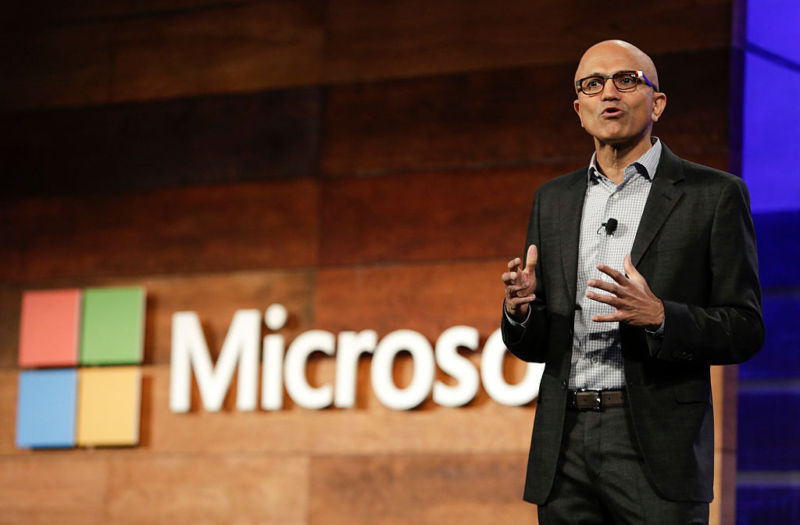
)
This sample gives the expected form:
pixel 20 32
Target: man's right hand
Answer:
pixel 520 285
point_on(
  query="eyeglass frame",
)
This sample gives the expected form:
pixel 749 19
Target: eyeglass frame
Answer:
pixel 640 76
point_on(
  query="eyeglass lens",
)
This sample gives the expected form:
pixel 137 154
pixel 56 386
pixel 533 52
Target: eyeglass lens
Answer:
pixel 623 81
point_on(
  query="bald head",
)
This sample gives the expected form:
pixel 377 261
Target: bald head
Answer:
pixel 619 119
pixel 606 50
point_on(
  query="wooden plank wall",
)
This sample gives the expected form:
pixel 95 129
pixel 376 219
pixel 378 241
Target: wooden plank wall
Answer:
pixel 366 164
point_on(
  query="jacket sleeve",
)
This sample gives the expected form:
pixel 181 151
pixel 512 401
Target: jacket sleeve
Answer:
pixel 528 341
pixel 729 329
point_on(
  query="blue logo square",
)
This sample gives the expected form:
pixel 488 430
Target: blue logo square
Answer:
pixel 46 408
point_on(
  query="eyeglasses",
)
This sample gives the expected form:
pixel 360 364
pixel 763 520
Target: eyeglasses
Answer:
pixel 623 81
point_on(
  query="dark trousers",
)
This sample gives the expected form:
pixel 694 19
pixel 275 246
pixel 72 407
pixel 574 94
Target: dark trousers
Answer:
pixel 600 478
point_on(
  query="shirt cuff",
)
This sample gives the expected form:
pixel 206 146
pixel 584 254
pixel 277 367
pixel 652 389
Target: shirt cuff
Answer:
pixel 658 333
pixel 524 322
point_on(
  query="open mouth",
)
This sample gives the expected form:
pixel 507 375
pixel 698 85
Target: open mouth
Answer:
pixel 611 112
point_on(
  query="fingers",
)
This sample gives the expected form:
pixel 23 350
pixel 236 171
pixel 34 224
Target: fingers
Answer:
pixel 512 289
pixel 614 274
pixel 631 271
pixel 517 301
pixel 513 278
pixel 602 285
pixel 515 292
pixel 531 258
pixel 628 265
pixel 519 284
pixel 611 318
pixel 603 298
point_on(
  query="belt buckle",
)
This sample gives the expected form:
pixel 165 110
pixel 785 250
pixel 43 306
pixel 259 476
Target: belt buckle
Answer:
pixel 589 400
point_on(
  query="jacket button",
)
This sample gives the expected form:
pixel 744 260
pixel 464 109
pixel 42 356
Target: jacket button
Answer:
pixel 564 385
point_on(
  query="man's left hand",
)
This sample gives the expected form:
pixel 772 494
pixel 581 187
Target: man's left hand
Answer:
pixel 636 304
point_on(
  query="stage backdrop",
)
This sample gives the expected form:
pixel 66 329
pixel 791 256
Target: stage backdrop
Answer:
pixel 368 165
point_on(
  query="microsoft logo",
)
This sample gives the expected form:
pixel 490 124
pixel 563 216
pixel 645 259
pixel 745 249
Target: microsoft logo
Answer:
pixel 80 351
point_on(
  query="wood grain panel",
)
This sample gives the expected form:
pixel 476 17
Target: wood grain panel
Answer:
pixel 98 55
pixel 722 510
pixel 270 135
pixel 443 123
pixel 725 383
pixel 60 151
pixel 506 118
pixel 244 47
pixel 43 13
pixel 371 428
pixel 83 53
pixel 695 123
pixel 352 436
pixel 53 488
pixel 10 308
pixel 403 38
pixel 430 489
pixel 216 298
pixel 214 489
pixel 67 65
pixel 428 298
pixel 234 227
pixel 715 157
pixel 725 387
pixel 429 216
pixel 9 380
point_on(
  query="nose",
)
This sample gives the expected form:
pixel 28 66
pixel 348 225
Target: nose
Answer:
pixel 610 90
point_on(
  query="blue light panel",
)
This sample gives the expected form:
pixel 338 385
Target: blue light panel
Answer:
pixel 774 25
pixel 771 127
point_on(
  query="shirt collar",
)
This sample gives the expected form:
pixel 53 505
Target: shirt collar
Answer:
pixel 646 164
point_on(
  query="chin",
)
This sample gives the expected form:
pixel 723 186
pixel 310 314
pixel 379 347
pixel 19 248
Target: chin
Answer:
pixel 612 132
pixel 614 140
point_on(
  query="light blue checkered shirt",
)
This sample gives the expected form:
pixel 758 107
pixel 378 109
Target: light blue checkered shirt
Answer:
pixel 596 347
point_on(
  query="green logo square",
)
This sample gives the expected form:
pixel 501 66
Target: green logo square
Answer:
pixel 112 326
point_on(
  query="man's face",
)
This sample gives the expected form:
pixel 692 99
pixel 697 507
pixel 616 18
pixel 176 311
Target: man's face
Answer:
pixel 617 117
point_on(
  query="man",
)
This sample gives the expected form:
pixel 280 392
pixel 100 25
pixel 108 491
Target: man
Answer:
pixel 640 272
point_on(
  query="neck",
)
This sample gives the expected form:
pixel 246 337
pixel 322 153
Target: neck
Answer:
pixel 612 158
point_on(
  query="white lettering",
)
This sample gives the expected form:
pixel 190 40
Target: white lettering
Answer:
pixel 297 385
pixel 272 373
pixel 190 354
pixel 495 384
pixel 272 359
pixel 457 366
pixel 190 351
pixel 350 347
pixel 382 365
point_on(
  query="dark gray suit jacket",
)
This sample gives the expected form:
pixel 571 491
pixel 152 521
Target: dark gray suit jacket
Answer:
pixel 696 248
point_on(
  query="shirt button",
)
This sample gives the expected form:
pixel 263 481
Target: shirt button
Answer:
pixel 616 196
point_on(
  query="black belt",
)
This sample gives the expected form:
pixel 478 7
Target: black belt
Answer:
pixel 595 399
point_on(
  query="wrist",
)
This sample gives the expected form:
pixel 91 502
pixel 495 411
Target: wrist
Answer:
pixel 519 313
pixel 658 318
pixel 522 311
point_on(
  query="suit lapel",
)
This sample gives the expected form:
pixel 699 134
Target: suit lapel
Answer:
pixel 663 197
pixel 570 210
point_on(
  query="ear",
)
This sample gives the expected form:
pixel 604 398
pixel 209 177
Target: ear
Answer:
pixel 576 104
pixel 659 105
